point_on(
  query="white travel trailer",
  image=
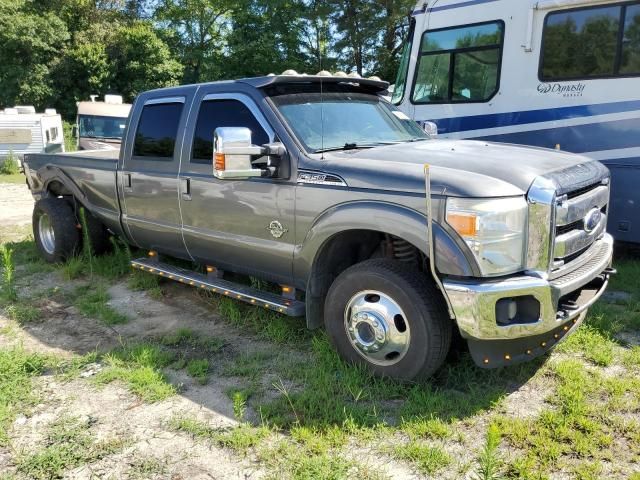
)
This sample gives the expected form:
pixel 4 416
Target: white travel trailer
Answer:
pixel 550 73
pixel 22 130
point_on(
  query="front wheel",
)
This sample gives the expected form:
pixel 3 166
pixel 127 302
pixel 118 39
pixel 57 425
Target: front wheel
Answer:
pixel 388 316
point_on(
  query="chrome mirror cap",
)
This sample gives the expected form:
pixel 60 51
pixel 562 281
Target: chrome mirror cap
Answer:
pixel 232 151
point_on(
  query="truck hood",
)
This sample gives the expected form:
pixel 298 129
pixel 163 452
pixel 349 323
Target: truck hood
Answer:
pixel 464 168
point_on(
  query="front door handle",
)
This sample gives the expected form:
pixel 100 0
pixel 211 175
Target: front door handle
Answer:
pixel 186 189
pixel 127 183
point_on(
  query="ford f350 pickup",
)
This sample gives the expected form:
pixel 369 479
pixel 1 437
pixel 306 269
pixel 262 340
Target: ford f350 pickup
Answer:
pixel 391 239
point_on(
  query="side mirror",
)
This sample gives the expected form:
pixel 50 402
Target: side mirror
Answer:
pixel 430 128
pixel 232 151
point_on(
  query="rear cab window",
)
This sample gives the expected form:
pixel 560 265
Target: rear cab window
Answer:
pixel 591 42
pixel 157 130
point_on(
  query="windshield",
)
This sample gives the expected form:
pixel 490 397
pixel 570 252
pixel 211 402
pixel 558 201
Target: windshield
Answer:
pixel 343 120
pixel 93 126
pixel 403 69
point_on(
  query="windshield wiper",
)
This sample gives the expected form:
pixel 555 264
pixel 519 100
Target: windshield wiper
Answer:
pixel 355 146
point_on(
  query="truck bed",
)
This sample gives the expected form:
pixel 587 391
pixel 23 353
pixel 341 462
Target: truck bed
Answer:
pixel 90 175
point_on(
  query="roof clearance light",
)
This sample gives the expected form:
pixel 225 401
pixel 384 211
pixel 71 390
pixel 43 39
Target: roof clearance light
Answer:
pixel 375 77
pixel 324 73
pixel 354 75
pixel 290 72
pixel 340 74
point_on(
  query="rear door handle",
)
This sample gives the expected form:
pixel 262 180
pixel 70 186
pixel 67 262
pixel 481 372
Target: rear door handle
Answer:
pixel 186 189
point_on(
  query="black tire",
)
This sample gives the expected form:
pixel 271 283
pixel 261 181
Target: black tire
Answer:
pixel 98 235
pixel 65 241
pixel 430 328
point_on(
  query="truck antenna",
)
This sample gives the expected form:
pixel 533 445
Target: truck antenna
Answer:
pixel 321 97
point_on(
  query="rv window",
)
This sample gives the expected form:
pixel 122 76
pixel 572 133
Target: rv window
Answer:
pixel 591 42
pixel 54 134
pixel 222 113
pixel 458 65
pixel 157 130
pixel 630 62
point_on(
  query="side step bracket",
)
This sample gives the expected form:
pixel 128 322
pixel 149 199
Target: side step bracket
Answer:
pixel 244 293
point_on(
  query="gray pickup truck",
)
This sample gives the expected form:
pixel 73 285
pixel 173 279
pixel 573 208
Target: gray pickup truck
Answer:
pixel 393 240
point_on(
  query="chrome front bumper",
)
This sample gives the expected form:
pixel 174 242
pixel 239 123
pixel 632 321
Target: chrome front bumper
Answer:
pixel 474 304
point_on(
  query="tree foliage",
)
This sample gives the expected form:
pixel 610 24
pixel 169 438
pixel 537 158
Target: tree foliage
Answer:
pixel 58 52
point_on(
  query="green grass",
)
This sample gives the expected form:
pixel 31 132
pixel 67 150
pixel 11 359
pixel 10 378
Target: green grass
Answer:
pixel 23 313
pixel 92 302
pixel 489 462
pixel 110 266
pixel 10 165
pixel 239 439
pixel 17 369
pixel 8 291
pixel 426 458
pixel 140 368
pixel 17 178
pixel 199 369
pixel 266 324
pixel 69 443
pixel 139 281
pixel 186 338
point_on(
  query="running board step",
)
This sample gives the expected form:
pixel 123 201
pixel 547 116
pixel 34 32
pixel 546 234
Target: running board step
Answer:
pixel 270 301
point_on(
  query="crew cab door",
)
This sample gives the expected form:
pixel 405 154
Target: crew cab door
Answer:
pixel 149 178
pixel 226 223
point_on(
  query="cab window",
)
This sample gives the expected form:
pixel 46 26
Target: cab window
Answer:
pixel 593 42
pixel 157 131
pixel 222 113
pixel 458 65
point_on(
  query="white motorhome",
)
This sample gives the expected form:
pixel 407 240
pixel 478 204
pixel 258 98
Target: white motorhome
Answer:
pixel 551 73
pixel 22 130
pixel 100 125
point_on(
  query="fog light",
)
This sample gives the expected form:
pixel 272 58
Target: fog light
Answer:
pixel 517 310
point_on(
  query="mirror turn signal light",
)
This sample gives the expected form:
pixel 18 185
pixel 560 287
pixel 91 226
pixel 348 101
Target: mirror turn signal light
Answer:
pixel 219 162
pixel 464 223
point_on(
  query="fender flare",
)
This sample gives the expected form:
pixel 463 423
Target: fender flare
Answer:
pixel 388 218
pixel 50 173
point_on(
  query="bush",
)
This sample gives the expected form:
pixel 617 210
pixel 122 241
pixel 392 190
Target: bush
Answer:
pixel 10 165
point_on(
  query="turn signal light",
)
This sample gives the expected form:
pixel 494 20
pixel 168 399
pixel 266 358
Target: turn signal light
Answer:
pixel 464 224
pixel 220 162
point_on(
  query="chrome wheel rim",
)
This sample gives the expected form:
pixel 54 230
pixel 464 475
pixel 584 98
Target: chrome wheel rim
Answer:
pixel 46 233
pixel 377 328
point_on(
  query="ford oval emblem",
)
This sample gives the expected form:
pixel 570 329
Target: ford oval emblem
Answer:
pixel 592 220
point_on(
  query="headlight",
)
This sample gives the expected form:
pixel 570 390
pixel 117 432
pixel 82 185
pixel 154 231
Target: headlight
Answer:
pixel 494 229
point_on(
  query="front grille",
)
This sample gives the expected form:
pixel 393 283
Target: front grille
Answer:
pixel 583 190
pixel 580 219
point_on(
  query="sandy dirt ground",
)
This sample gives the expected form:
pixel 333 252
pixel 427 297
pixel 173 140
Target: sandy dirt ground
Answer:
pixel 16 204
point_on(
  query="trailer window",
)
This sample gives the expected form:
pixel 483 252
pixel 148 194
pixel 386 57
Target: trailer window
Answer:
pixel 630 61
pixel 591 42
pixel 157 130
pixel 458 65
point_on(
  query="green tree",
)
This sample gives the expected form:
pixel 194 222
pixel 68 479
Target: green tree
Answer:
pixel 141 60
pixel 30 44
pixel 198 28
pixel 266 38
